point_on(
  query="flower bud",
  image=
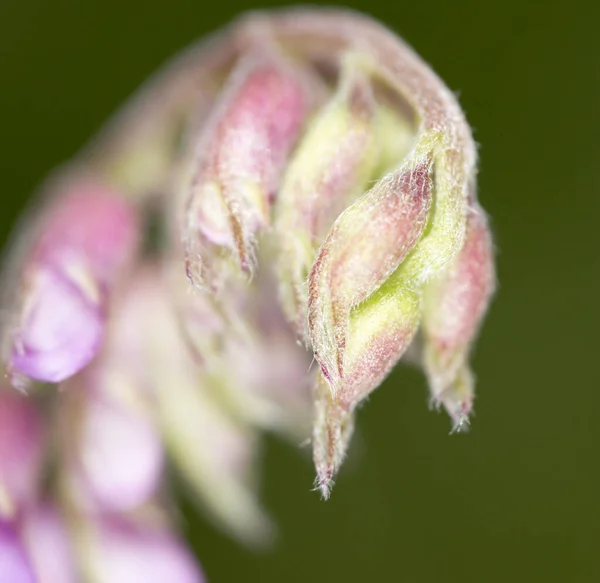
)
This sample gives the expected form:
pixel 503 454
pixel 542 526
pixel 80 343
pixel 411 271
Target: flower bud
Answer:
pixel 241 154
pixel 332 430
pixel 330 168
pixel 119 550
pixel 15 566
pixel 366 245
pixel 21 451
pixel 46 539
pixel 85 237
pixel 212 142
pixel 359 327
pixel 454 306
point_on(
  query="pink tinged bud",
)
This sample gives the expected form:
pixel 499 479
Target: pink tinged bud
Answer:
pixel 356 343
pixel 21 451
pixel 331 167
pixel 241 155
pixel 360 325
pixel 455 305
pixel 332 431
pixel 15 566
pixel 86 236
pixel 46 538
pixel 121 551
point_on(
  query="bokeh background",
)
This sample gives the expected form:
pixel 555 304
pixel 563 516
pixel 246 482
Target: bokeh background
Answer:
pixel 516 499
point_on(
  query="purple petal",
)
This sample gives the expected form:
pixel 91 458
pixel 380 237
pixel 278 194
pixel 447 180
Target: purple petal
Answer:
pixel 21 443
pixel 120 454
pixel 131 554
pixel 61 329
pixel 47 540
pixel 85 237
pixel 14 564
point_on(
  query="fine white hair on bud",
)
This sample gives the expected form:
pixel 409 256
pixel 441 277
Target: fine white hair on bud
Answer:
pixel 455 304
pixel 300 185
pixel 241 153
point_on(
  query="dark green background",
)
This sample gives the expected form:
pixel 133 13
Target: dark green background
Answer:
pixel 516 499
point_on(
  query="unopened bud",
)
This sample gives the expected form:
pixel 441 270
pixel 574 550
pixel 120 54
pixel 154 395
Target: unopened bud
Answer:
pixel 330 168
pixel 359 328
pixel 454 306
pixel 332 430
pixel 366 245
pixel 241 154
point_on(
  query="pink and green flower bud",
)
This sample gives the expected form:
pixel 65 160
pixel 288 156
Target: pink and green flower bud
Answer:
pixel 241 154
pixel 365 298
pixel 225 137
pixel 366 245
pixel 455 304
pixel 47 540
pixel 121 550
pixel 22 441
pixel 85 236
pixel 15 565
pixel 359 328
pixel 333 427
pixel 330 168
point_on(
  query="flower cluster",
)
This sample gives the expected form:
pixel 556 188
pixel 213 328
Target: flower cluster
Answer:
pixel 299 188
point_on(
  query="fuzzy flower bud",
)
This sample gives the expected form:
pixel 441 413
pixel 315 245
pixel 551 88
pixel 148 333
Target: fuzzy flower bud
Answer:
pixel 315 181
pixel 331 166
pixel 85 236
pixel 241 153
pixel 359 329
pixel 455 304
pixel 366 245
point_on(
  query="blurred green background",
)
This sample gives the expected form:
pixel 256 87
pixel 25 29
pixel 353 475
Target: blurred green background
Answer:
pixel 518 497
